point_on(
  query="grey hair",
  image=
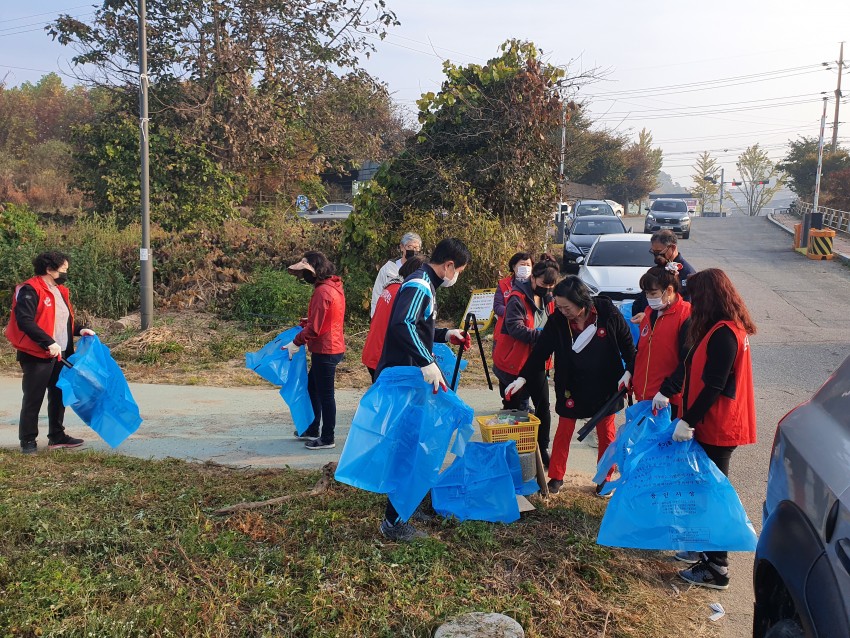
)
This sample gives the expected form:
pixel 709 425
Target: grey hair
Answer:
pixel 666 237
pixel 410 237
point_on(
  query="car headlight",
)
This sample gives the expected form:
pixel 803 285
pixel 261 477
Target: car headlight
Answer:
pixel 572 248
pixel 686 218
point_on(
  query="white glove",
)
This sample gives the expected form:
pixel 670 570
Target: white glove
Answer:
pixel 87 332
pixel 292 349
pixel 683 432
pixel 431 373
pixel 54 349
pixel 625 381
pixel 459 338
pixel 659 402
pixel 514 387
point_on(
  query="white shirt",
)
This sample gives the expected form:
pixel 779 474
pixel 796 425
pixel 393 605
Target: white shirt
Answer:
pixel 62 315
pixel 387 272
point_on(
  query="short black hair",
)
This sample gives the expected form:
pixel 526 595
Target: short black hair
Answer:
pixel 658 278
pixel 50 260
pixel 451 249
pixel 518 257
pixel 323 266
pixel 411 265
pixel 575 291
pixel 547 268
pixel 666 237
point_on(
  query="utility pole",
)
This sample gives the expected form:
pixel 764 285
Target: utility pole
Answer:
pixel 814 219
pixel 145 262
pixel 837 100
pixel 561 177
pixel 722 173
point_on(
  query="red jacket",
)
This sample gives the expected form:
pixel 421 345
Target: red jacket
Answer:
pixel 658 353
pixel 45 318
pixel 731 420
pixel 505 285
pixel 510 354
pixel 378 328
pixel 325 317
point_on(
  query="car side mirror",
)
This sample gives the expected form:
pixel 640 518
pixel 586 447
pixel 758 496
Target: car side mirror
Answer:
pixel 646 208
pixel 579 260
pixel 629 230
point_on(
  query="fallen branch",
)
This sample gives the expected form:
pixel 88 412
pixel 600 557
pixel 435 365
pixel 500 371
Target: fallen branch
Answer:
pixel 321 486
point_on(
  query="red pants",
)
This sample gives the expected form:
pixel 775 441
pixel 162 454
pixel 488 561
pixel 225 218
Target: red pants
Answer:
pixel 561 445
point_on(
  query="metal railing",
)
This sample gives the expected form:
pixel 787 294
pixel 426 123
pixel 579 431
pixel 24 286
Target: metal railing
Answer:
pixel 838 220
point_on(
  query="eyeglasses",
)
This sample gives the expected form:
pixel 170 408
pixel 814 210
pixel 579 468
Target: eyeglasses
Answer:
pixel 658 253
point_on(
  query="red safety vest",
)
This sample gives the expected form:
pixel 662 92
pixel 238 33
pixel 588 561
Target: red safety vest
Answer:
pixel 505 285
pixel 45 317
pixel 658 350
pixel 510 354
pixel 374 345
pixel 729 421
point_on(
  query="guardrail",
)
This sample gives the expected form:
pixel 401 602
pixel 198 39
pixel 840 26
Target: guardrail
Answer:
pixel 838 220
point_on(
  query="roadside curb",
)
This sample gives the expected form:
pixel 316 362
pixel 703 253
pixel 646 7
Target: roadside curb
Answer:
pixel 844 259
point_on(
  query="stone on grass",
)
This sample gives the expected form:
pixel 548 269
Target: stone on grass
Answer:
pixel 480 625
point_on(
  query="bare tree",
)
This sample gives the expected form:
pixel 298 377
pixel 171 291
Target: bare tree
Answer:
pixel 705 167
pixel 761 179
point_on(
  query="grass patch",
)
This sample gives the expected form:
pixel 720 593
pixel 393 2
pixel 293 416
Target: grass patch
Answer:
pixel 107 545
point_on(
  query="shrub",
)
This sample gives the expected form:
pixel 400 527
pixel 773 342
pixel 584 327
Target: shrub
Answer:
pixel 18 224
pixel 272 298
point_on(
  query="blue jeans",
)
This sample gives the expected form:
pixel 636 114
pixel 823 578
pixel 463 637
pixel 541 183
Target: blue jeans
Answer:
pixel 320 385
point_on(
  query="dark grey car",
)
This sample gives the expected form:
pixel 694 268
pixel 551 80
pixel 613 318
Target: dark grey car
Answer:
pixel 584 231
pixel 802 565
pixel 671 214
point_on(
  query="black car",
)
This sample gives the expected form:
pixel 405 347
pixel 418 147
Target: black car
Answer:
pixel 584 231
pixel 669 214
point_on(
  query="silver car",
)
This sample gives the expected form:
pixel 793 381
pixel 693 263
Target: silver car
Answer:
pixel 802 565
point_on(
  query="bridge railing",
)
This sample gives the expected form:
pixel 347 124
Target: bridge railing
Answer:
pixel 838 220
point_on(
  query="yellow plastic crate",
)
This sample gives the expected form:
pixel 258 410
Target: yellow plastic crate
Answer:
pixel 525 434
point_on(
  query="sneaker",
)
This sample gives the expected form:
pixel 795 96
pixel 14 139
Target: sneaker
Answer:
pixel 65 441
pixel 688 557
pixel 599 489
pixel 29 447
pixel 400 532
pixel 554 486
pixel 305 437
pixel 421 516
pixel 706 574
pixel 317 444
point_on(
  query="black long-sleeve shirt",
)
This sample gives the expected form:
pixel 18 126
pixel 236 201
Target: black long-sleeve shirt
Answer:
pixel 717 376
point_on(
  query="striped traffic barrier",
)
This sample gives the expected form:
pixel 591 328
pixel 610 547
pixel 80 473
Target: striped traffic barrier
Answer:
pixel 820 244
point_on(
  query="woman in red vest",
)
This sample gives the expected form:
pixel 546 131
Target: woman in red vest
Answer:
pixel 41 328
pixel 380 319
pixel 657 374
pixel 323 336
pixel 527 309
pixel 520 268
pixel 719 402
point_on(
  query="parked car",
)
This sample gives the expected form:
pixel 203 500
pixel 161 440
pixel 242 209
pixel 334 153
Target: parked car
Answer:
pixel 591 207
pixel 336 211
pixel 615 264
pixel 801 573
pixel 618 208
pixel 584 232
pixel 671 214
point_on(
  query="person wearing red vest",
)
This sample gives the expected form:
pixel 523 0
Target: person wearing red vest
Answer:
pixel 528 307
pixel 323 336
pixel 657 374
pixel 381 318
pixel 718 398
pixel 519 265
pixel 41 328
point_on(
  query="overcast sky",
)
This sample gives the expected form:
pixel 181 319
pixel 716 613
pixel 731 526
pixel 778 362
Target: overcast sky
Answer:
pixel 714 76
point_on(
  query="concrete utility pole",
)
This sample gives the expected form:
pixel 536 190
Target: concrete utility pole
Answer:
pixel 722 174
pixel 837 100
pixel 146 264
pixel 814 219
pixel 561 177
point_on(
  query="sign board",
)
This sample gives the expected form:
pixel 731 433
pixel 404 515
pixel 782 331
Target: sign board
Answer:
pixel 302 203
pixel 481 305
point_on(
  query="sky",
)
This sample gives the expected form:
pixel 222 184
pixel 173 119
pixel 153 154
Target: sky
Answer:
pixel 716 76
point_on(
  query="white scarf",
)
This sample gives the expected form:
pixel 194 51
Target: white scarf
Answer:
pixel 581 341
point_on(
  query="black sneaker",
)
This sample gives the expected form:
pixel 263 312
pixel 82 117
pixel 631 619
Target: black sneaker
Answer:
pixel 400 532
pixel 65 441
pixel 305 437
pixel 599 489
pixel 688 557
pixel 318 444
pixel 705 574
pixel 554 486
pixel 421 516
pixel 29 447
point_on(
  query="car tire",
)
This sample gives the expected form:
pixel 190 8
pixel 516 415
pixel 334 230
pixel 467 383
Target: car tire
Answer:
pixel 686 235
pixel 785 629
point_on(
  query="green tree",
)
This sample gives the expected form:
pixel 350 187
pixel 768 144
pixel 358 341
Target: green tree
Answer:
pixel 706 178
pixel 757 173
pixel 836 189
pixel 801 165
pixel 642 164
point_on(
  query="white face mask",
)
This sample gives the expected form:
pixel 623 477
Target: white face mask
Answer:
pixel 584 338
pixel 523 273
pixel 656 303
pixel 448 283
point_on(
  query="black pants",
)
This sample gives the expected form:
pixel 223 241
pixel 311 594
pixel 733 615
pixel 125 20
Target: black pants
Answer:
pixel 320 385
pixel 537 389
pixel 40 376
pixel 721 456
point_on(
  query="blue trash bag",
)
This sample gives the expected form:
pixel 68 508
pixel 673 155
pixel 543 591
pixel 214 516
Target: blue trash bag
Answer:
pixel 273 364
pixel 96 390
pixel 673 497
pixel 446 359
pixel 626 310
pixel 480 485
pixel 400 436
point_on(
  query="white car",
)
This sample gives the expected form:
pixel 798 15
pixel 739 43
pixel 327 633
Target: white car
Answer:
pixel 618 208
pixel 615 264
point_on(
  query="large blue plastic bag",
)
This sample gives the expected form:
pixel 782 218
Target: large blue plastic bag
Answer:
pixel 626 310
pixel 480 485
pixel 96 390
pixel 273 364
pixel 400 436
pixel 673 497
pixel 446 360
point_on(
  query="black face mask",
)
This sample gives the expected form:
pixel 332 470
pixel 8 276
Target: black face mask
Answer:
pixel 661 260
pixel 309 277
pixel 543 293
pixel 410 254
pixel 61 279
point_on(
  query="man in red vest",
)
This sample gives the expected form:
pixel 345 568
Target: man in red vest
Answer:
pixel 41 328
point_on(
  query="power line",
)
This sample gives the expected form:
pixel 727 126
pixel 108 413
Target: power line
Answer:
pixel 48 13
pixel 666 116
pixel 722 104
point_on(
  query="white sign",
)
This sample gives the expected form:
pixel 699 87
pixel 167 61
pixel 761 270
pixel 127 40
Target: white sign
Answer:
pixel 481 305
pixel 143 254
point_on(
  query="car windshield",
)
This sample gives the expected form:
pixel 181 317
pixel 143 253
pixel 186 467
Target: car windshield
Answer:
pixel 597 227
pixel 593 209
pixel 669 206
pixel 621 253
